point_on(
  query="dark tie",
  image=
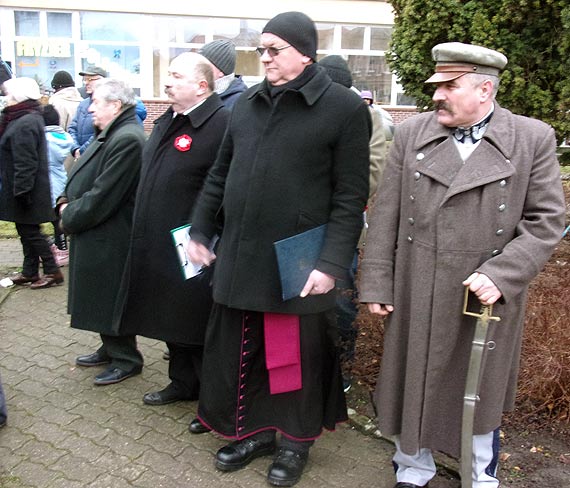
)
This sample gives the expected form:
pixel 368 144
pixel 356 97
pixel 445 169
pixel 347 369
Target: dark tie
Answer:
pixel 475 132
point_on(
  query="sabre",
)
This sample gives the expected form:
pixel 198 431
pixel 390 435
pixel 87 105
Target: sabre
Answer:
pixel 471 396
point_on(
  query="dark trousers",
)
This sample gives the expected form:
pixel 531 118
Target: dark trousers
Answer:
pixel 122 350
pixel 35 247
pixel 3 412
pixel 346 312
pixel 185 369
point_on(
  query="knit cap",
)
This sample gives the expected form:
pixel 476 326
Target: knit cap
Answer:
pixel 297 29
pixel 222 54
pixel 21 89
pixel 338 70
pixel 62 79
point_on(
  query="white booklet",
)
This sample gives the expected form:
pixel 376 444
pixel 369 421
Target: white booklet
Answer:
pixel 181 237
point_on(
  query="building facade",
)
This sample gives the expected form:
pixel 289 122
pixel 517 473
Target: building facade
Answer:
pixel 136 40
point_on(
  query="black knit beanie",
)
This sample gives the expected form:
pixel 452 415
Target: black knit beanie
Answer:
pixel 297 29
pixel 62 79
pixel 338 70
pixel 222 54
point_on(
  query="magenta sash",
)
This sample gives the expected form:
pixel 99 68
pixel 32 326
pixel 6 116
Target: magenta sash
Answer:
pixel 282 352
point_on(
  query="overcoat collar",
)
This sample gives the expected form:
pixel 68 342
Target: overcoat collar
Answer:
pixel 311 91
pixel 196 117
pixel 500 132
pixel 489 162
pixel 127 116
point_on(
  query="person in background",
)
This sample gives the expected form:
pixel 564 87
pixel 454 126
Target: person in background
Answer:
pixel 222 56
pixel 59 143
pixel 81 127
pixel 25 198
pixel 387 121
pixel 471 197
pixel 347 297
pixel 66 98
pixel 158 302
pixel 96 211
pixel 295 156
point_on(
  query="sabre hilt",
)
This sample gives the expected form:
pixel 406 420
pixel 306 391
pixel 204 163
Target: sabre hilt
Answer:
pixel 486 313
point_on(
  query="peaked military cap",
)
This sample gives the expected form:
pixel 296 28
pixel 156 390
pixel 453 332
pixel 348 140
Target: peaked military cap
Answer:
pixel 454 59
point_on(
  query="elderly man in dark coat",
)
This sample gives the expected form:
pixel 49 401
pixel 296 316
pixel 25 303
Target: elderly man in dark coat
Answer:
pixel 295 156
pixel 159 303
pixel 96 212
pixel 472 197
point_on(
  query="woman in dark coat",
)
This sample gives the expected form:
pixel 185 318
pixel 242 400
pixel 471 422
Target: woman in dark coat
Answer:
pixel 97 212
pixel 25 196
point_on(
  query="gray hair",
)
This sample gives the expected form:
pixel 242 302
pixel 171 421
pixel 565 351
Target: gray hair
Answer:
pixel 112 89
pixel 477 79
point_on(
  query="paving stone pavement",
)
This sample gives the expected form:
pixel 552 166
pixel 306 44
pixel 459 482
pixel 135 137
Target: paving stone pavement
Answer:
pixel 64 432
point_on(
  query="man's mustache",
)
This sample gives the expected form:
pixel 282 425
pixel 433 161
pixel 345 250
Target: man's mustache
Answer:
pixel 442 106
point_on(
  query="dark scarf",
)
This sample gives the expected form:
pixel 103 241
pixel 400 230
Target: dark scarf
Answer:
pixel 296 84
pixel 13 112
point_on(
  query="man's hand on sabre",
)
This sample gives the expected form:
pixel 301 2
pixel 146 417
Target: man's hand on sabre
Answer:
pixel 485 290
pixel 199 254
pixel 380 308
pixel 318 284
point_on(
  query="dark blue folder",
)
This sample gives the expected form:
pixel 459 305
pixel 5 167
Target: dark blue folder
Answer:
pixel 297 256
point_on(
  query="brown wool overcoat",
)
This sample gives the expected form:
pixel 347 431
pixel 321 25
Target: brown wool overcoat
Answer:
pixel 435 222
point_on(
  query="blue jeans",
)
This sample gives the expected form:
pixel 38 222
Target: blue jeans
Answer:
pixel 346 311
pixel 3 411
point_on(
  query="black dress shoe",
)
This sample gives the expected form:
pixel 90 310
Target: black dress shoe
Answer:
pixel 197 427
pixel 287 467
pixel 21 279
pixel 403 484
pixel 93 359
pixel 115 375
pixel 239 454
pixel 163 397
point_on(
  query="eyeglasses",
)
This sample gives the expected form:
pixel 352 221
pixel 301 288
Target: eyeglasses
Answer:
pixel 272 51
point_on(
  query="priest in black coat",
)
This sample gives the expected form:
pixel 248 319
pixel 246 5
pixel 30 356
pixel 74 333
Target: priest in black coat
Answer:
pixel 158 301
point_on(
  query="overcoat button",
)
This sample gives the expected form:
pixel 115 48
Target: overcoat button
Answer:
pixel 417 175
pixel 412 198
pixel 496 252
pixel 502 207
pixel 411 221
pixel 420 156
pixel 499 232
pixel 503 183
pixel 410 239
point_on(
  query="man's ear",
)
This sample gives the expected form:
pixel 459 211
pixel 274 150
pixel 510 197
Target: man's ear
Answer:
pixel 202 87
pixel 486 90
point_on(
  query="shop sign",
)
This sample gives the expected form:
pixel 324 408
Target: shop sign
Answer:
pixel 43 48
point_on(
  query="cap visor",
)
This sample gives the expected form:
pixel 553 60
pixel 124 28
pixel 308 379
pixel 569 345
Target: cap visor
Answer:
pixel 447 76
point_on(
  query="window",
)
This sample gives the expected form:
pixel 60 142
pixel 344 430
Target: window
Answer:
pixel 352 37
pixel 27 23
pixel 58 24
pixel 101 26
pixel 244 33
pixel 380 38
pixel 326 36
pixel 371 73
